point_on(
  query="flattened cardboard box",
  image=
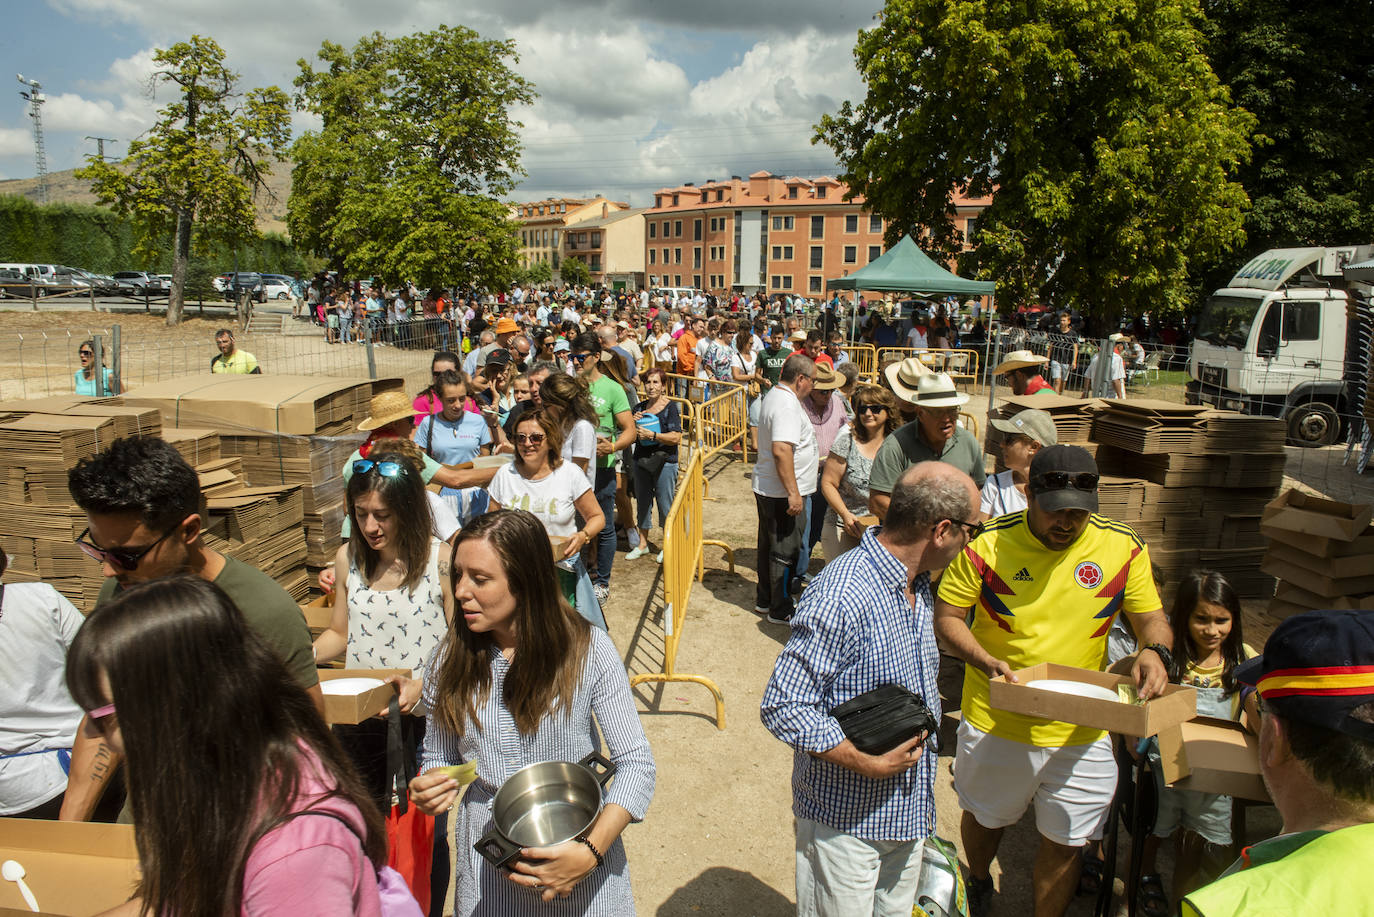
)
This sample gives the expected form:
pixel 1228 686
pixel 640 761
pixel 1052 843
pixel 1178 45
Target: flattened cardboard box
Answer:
pixel 355 708
pixel 1212 756
pixel 274 404
pixel 1321 547
pixel 1308 515
pixel 1176 705
pixel 73 868
pixel 1278 564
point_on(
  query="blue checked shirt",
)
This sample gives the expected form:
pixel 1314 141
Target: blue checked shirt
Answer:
pixel 854 630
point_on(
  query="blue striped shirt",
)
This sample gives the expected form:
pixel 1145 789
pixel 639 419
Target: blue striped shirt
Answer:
pixel 854 630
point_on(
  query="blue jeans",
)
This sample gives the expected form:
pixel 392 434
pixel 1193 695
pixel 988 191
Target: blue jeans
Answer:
pixel 604 487
pixel 648 490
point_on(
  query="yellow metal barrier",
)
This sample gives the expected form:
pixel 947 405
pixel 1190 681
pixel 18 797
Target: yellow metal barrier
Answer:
pixel 960 364
pixel 693 388
pixel 683 561
pixel 865 357
pixel 724 420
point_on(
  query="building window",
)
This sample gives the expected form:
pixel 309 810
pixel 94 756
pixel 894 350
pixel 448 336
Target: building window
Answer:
pixel 653 230
pixel 781 223
pixel 817 257
pixel 813 284
pixel 667 229
pixel 696 227
pixel 596 240
pixel 677 256
pixel 696 257
pixel 818 227
pixel 782 282
pixel 652 253
pixel 875 223
pixel 555 238
pixel 874 253
pixel 720 196
pixel 969 228
pixel 792 193
pixel 674 200
pixel 677 280
pixel 820 191
pixel 777 252
pixel 703 197
pixel 677 228
pixel 696 278
pixel 851 222
pixel 851 254
pixel 665 256
pixel 658 200
pixel 596 262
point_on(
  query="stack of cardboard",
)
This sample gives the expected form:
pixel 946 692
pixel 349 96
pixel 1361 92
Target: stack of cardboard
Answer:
pixel 1201 500
pixel 1322 552
pixel 1073 417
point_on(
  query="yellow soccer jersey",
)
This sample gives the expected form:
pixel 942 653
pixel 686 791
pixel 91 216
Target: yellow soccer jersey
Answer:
pixel 1032 605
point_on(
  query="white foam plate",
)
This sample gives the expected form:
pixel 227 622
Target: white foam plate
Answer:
pixel 1076 688
pixel 349 686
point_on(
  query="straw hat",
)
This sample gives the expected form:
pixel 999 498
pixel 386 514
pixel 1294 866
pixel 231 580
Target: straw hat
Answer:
pixel 904 375
pixel 933 390
pixel 387 407
pixel 506 325
pixel 826 378
pixel 1018 359
pixel 799 336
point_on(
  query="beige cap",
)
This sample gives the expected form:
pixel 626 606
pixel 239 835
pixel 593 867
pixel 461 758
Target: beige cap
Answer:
pixel 1036 424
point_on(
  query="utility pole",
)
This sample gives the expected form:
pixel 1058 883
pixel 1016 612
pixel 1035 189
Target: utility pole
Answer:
pixel 100 147
pixel 34 96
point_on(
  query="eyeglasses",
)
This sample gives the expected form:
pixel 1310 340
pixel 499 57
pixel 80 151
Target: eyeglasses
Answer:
pixel 868 408
pixel 974 529
pixel 1059 480
pixel 385 469
pixel 533 439
pixel 125 558
pixel 86 353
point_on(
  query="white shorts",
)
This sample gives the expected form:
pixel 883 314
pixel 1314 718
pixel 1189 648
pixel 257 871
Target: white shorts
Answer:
pixel 1072 787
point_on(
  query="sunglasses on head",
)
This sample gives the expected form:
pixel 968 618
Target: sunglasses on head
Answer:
pixel 385 469
pixel 1059 480
pixel 124 558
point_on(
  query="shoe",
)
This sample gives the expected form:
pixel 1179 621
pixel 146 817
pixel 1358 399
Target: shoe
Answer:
pixel 660 557
pixel 637 553
pixel 603 592
pixel 774 619
pixel 761 609
pixel 980 892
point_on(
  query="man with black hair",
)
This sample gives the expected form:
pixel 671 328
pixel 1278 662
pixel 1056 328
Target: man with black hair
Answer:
pixel 1315 682
pixel 231 359
pixel 143 522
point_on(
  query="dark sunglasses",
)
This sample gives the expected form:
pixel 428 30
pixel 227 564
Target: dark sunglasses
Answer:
pixel 125 558
pixel 974 529
pixel 385 469
pixel 868 408
pixel 86 353
pixel 580 357
pixel 1059 480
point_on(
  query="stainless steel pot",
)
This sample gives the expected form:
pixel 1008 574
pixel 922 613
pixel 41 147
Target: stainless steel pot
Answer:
pixel 544 804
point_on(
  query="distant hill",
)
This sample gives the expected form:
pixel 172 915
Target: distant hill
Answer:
pixel 66 188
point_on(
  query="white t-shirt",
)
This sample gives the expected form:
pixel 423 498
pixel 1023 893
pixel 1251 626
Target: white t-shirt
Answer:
pixel 665 348
pixel 703 347
pixel 37 626
pixel 782 419
pixel 580 442
pixel 552 499
pixel 915 337
pixel 1000 496
pixel 746 365
pixel 445 522
pixel 1116 372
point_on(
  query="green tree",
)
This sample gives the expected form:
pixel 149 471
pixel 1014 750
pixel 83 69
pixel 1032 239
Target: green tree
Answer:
pixel 194 174
pixel 539 273
pixel 1108 141
pixel 574 271
pixel 417 147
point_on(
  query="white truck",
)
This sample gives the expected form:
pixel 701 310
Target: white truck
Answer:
pixel 1277 341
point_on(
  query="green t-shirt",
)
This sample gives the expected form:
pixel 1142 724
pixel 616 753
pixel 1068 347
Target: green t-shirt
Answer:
pixel 770 361
pixel 269 610
pixel 609 398
pixel 905 448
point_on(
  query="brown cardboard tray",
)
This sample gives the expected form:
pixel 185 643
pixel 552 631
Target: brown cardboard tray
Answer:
pixel 356 708
pixel 1212 756
pixel 1177 704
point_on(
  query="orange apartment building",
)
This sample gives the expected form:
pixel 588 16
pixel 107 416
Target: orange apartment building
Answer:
pixel 542 224
pixel 765 233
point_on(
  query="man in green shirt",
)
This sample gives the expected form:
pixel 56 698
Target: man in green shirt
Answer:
pixel 934 435
pixel 615 431
pixel 775 353
pixel 142 505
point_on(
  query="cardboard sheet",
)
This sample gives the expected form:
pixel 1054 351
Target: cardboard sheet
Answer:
pixel 74 869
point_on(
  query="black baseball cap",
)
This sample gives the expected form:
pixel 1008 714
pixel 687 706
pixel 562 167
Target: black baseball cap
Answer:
pixel 1059 476
pixel 500 356
pixel 1317 667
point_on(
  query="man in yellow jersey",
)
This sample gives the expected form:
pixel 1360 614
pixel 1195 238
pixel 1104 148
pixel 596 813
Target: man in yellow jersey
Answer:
pixel 1316 688
pixel 1043 585
pixel 231 359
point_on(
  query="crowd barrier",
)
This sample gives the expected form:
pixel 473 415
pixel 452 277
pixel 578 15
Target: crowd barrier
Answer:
pixel 683 561
pixel 864 356
pixel 723 421
pixel 960 363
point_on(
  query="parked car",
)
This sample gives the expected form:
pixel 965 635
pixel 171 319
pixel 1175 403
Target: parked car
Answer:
pixel 244 280
pixel 139 283
pixel 10 281
pixel 277 286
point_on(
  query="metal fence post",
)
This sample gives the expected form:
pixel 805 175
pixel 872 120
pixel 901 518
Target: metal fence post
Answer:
pixel 33 295
pixel 98 364
pixel 117 358
pixel 371 356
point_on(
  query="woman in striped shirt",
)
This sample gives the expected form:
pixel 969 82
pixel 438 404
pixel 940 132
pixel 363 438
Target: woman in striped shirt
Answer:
pixel 520 679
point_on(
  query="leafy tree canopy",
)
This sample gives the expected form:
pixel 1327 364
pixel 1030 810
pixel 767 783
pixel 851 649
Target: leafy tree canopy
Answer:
pixel 193 175
pixel 539 273
pixel 1109 143
pixel 416 149
pixel 575 272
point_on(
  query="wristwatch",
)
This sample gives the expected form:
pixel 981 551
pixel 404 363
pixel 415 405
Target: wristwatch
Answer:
pixel 1163 653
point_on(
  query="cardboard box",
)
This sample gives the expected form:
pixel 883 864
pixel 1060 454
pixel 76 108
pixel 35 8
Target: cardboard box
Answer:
pixel 73 868
pixel 1279 562
pixel 1321 547
pixel 1212 756
pixel 318 612
pixel 1176 705
pixel 268 403
pixel 355 708
pixel 1305 514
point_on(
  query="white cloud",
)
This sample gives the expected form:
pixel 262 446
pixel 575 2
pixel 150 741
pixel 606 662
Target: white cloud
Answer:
pixel 15 141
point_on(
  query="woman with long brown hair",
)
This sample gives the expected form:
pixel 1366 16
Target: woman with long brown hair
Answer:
pixel 844 480
pixel 521 679
pixel 245 803
pixel 567 401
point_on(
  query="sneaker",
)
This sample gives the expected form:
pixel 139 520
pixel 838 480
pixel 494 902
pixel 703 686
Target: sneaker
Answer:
pixel 659 559
pixel 603 592
pixel 761 609
pixel 980 892
pixel 638 552
pixel 774 619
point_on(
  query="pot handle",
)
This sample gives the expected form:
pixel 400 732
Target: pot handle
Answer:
pixel 603 769
pixel 496 849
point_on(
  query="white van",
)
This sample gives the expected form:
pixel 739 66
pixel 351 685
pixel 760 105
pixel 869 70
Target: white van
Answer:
pixel 42 275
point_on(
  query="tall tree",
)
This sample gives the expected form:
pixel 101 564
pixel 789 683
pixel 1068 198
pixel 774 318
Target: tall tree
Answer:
pixel 1108 141
pixel 416 149
pixel 193 176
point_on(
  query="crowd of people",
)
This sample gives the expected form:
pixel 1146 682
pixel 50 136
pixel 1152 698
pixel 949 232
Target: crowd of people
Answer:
pixel 195 677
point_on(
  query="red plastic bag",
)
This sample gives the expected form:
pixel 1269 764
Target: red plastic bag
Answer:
pixel 410 849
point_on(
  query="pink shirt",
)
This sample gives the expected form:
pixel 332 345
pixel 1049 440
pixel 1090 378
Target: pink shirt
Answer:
pixel 313 865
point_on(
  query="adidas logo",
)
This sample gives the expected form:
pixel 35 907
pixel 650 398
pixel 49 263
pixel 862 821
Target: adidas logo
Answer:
pixel 1023 576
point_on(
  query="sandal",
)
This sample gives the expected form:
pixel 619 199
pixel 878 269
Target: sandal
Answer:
pixel 1090 876
pixel 1150 897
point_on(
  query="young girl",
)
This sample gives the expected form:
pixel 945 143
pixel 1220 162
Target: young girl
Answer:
pixel 1208 645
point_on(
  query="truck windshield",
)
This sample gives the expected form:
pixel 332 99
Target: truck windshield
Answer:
pixel 1226 320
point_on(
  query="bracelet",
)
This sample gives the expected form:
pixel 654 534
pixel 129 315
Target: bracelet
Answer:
pixel 582 839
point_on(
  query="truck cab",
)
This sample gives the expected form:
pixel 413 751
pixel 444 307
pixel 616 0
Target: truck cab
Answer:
pixel 1274 341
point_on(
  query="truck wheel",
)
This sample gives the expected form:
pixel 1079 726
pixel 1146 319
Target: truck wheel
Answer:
pixel 1313 424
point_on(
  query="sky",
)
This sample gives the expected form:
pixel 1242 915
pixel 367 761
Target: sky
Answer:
pixel 634 95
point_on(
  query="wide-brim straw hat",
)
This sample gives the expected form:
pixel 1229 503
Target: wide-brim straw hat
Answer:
pixel 387 407
pixel 1018 359
pixel 934 390
pixel 826 378
pixel 904 375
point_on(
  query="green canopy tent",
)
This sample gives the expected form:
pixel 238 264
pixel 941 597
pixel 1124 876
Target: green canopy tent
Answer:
pixel 905 268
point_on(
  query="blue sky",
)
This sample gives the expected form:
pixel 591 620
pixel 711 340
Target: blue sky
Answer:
pixel 634 94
